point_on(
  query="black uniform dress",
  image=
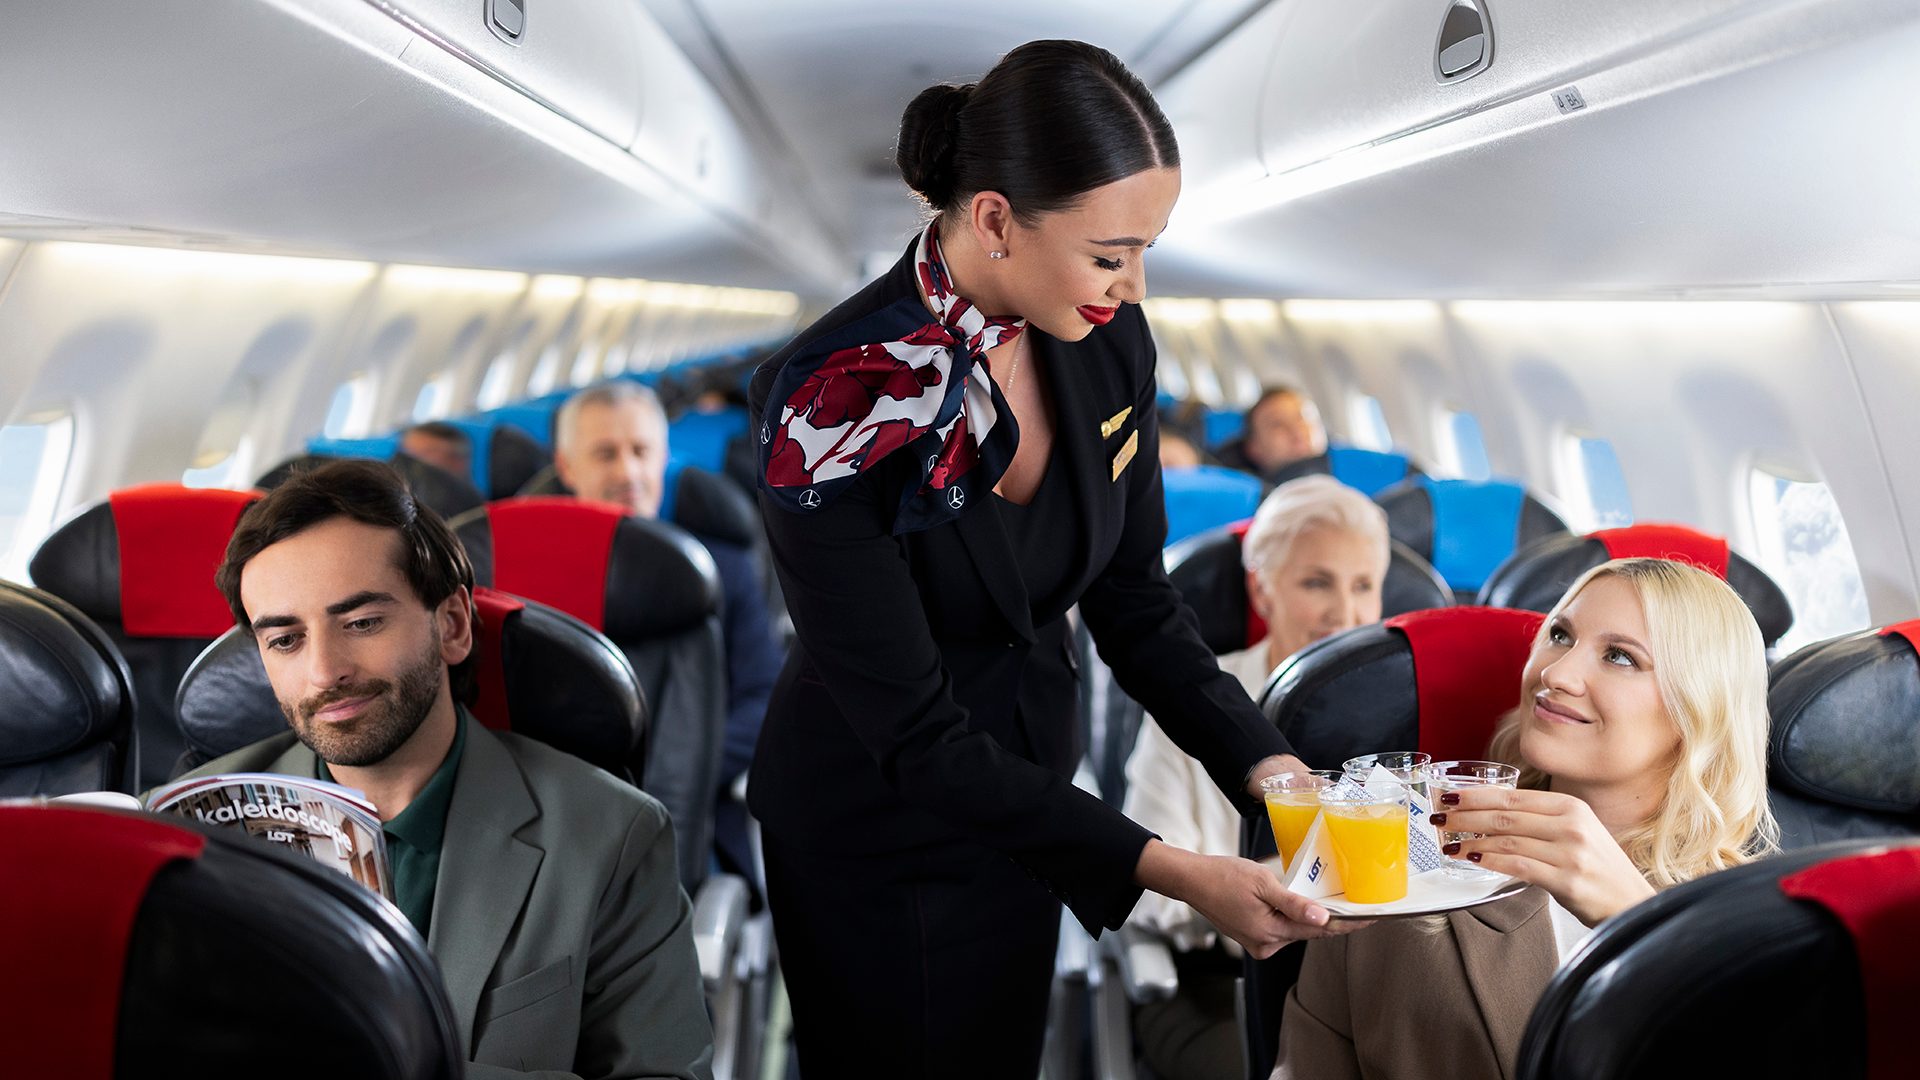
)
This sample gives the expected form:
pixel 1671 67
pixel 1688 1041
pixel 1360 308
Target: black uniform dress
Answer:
pixel 913 777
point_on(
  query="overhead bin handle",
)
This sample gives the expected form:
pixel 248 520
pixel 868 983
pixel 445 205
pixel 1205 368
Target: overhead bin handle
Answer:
pixel 1465 47
pixel 507 19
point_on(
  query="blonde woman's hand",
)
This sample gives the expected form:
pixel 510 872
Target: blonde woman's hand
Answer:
pixel 1241 898
pixel 1547 839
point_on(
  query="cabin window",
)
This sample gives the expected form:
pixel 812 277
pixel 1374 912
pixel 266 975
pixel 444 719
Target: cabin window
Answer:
pixel 1802 542
pixel 586 365
pixel 436 398
pixel 224 458
pixel 228 470
pixel 1461 446
pixel 1369 423
pixel 497 384
pixel 34 455
pixel 1593 490
pixel 351 410
pixel 546 373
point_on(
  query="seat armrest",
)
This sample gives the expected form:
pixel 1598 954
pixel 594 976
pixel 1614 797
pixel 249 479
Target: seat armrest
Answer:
pixel 719 914
pixel 1145 963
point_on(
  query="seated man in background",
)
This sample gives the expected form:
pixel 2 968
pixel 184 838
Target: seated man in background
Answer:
pixel 1283 428
pixel 1316 556
pixel 610 444
pixel 440 445
pixel 545 888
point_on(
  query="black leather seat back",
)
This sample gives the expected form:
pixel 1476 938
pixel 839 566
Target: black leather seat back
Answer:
pixel 653 590
pixel 562 682
pixel 66 724
pixel 225 955
pixel 1843 754
pixel 1675 985
pixel 1539 572
pixel 141 565
pixel 514 458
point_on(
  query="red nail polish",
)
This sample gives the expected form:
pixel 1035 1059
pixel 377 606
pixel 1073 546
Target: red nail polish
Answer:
pixel 1437 819
pixel 1450 798
pixel 1473 856
pixel 1453 848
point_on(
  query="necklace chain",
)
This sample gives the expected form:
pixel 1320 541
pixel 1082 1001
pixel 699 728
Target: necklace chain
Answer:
pixel 1013 374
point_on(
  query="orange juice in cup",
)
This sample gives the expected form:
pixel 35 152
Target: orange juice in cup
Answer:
pixel 1293 801
pixel 1368 833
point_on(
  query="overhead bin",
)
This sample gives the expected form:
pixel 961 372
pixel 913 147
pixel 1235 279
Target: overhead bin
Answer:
pixel 1635 148
pixel 1344 75
pixel 577 56
pixel 342 127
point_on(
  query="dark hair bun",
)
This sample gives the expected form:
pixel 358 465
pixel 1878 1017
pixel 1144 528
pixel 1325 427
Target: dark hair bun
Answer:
pixel 929 134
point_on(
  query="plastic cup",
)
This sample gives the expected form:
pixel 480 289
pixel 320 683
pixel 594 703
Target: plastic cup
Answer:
pixel 1445 776
pixel 1407 766
pixel 1368 832
pixel 1293 801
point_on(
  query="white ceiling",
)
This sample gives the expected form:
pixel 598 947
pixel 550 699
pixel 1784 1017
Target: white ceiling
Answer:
pixel 820 84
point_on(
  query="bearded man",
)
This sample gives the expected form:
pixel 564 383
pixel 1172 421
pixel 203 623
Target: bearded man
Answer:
pixel 545 888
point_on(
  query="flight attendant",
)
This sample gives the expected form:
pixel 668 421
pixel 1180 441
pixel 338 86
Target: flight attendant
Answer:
pixel 951 460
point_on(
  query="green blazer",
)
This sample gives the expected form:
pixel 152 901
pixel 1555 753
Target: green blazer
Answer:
pixel 558 921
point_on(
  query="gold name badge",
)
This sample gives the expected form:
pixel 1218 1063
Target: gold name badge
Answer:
pixel 1125 455
pixel 1112 423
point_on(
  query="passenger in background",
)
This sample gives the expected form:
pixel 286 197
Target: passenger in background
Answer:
pixel 1183 437
pixel 1177 451
pixel 1641 737
pixel 1283 428
pixel 610 444
pixel 1315 556
pixel 546 889
pixel 441 445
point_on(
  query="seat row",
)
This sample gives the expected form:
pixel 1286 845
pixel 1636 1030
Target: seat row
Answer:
pixel 610 620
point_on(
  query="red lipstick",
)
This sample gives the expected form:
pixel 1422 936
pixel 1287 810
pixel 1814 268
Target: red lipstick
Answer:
pixel 1098 316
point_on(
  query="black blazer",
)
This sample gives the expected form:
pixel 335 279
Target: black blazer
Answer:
pixel 926 702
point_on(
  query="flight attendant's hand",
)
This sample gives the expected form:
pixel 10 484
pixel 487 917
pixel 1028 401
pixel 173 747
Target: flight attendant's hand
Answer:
pixel 1272 766
pixel 1549 839
pixel 1241 898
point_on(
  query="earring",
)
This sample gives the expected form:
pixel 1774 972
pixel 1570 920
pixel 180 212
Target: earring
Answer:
pixel 996 254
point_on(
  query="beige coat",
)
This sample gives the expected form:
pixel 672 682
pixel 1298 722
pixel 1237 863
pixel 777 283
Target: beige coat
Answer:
pixel 1409 999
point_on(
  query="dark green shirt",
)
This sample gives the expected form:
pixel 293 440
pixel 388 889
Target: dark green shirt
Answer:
pixel 414 835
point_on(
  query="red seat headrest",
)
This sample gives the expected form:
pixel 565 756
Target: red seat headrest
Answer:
pixel 1467 663
pixel 1877 898
pixel 76 881
pixel 554 550
pixel 1676 542
pixel 172 540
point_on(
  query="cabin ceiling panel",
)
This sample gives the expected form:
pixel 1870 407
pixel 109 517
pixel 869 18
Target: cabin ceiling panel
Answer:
pixel 829 78
pixel 323 126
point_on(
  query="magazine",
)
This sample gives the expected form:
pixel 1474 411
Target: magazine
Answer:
pixel 332 825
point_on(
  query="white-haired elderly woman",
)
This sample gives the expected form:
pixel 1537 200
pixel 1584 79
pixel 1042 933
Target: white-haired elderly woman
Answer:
pixel 1316 557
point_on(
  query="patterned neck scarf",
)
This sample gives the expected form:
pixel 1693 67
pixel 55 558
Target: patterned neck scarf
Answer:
pixel 894 381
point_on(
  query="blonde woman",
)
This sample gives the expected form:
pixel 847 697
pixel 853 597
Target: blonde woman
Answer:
pixel 1316 556
pixel 1641 737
